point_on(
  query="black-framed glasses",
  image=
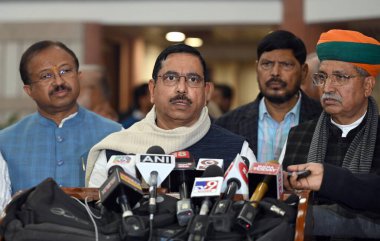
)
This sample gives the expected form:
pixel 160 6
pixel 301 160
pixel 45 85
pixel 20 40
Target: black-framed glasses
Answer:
pixel 336 79
pixel 191 80
pixel 49 75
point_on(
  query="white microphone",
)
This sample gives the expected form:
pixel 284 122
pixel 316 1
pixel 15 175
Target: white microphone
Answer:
pixel 154 168
pixel 235 181
pixel 238 171
pixel 161 163
pixel 207 186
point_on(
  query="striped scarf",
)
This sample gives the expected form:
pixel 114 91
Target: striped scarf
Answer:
pixel 358 158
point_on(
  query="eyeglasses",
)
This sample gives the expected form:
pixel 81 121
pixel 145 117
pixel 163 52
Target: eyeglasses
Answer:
pixel 268 65
pixel 49 75
pixel 336 79
pixel 191 80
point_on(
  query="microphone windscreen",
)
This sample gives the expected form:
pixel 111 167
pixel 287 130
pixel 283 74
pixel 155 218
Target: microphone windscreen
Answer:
pixel 155 150
pixel 234 179
pixel 246 161
pixel 213 171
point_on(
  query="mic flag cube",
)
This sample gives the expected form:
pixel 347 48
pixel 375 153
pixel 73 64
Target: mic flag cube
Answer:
pixel 127 162
pixel 268 169
pixel 207 186
pixel 203 163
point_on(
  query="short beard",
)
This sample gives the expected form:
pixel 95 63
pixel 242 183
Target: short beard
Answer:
pixel 280 99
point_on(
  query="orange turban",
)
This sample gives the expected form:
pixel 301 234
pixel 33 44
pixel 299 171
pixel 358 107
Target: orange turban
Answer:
pixel 350 46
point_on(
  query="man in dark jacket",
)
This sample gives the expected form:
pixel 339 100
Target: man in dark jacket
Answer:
pixel 341 149
pixel 281 104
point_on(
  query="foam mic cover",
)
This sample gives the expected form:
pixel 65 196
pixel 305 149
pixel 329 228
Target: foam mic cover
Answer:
pixel 213 171
pixel 155 150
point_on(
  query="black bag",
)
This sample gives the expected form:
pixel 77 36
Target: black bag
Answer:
pixel 45 212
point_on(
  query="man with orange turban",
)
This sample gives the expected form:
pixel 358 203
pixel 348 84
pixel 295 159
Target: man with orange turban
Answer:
pixel 341 149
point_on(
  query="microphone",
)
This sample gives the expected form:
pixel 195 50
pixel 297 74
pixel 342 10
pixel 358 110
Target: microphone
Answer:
pixel 249 210
pixel 120 191
pixel 207 186
pixel 154 167
pixel 203 163
pixel 119 184
pixel 184 165
pixel 236 178
pixel 271 168
pixel 127 162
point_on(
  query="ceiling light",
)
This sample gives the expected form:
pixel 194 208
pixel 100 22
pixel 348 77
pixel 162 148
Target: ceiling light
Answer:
pixel 175 36
pixel 194 42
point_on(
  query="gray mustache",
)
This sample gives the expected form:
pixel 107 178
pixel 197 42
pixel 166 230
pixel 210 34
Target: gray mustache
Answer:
pixel 331 96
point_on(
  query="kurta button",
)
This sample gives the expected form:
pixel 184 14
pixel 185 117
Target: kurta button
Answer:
pixel 59 138
pixel 60 162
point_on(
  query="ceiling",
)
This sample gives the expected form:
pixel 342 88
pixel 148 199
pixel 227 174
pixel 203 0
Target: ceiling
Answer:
pixel 230 41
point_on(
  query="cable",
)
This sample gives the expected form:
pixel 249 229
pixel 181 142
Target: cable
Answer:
pixel 249 237
pixel 151 227
pixel 91 214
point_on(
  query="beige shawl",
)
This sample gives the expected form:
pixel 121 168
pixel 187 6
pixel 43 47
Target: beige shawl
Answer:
pixel 145 133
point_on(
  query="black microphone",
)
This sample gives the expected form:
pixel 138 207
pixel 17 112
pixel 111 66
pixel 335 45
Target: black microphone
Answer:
pixel 153 179
pixel 207 186
pixel 248 212
pixel 184 167
pixel 119 192
pixel 113 192
pixel 222 213
pixel 155 150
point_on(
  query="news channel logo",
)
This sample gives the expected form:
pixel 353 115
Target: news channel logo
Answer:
pixel 207 186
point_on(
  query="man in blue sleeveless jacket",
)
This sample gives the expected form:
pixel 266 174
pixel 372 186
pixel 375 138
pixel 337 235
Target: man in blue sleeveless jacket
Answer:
pixel 54 141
